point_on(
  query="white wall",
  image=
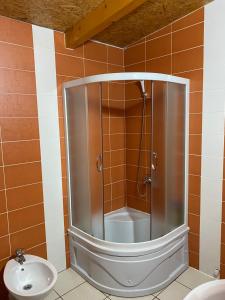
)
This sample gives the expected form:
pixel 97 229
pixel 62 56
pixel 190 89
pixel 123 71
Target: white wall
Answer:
pixel 45 71
pixel 212 136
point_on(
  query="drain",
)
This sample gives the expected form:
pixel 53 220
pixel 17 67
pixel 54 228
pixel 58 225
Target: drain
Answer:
pixel 27 287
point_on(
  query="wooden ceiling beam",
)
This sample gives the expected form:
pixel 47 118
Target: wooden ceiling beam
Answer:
pixel 105 14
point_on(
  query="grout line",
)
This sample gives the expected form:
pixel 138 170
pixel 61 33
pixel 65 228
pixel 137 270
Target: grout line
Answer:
pixel 28 206
pixel 27 228
pixel 16 141
pixel 134 44
pixel 38 245
pixel 107 45
pixel 17 94
pixel 74 288
pixel 6 199
pixel 23 163
pixel 189 26
pixel 89 59
pixel 182 284
pixel 136 63
pixel 14 44
pixel 17 69
pixel 24 185
pixel 33 117
pixel 187 71
pixel 187 49
pixel 148 38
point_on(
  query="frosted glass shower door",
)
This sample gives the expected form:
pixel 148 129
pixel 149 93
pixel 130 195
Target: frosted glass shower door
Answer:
pixel 84 151
pixel 168 158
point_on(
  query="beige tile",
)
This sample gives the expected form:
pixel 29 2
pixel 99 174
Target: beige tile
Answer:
pixel 67 280
pixel 192 278
pixel 84 292
pixel 52 296
pixel 149 297
pixel 175 291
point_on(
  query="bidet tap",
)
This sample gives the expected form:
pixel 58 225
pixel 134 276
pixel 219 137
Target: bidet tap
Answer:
pixel 20 256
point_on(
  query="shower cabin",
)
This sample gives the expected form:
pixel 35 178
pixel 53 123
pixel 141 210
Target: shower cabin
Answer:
pixel 127 164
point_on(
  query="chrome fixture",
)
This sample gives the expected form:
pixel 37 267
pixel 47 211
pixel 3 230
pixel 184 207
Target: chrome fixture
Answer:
pixel 147 179
pixel 20 256
pixel 139 180
pixel 99 163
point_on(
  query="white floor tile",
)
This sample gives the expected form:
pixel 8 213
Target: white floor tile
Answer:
pixel 192 278
pixel 175 291
pixel 156 293
pixel 150 297
pixel 84 292
pixel 52 296
pixel 67 280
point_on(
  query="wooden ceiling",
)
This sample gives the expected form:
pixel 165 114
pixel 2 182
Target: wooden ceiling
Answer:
pixel 61 15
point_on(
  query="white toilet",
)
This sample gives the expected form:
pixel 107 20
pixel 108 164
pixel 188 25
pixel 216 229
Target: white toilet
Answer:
pixel 31 280
pixel 213 290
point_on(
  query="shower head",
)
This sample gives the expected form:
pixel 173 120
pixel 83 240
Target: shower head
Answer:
pixel 143 91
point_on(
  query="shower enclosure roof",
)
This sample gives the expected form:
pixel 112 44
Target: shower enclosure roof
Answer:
pixel 125 76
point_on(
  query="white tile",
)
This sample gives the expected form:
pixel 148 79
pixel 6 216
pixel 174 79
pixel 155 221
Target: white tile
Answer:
pixel 210 244
pixel 193 278
pixel 214 45
pixel 67 280
pixel 45 71
pixel 212 144
pixel 50 125
pixel 212 167
pixel 214 101
pixel 44 41
pixel 50 109
pixel 213 123
pixel 52 296
pixel 211 78
pixel 175 291
pixel 84 292
pixel 211 195
pixel 150 297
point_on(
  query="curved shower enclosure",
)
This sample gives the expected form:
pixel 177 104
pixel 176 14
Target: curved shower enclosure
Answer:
pixel 127 164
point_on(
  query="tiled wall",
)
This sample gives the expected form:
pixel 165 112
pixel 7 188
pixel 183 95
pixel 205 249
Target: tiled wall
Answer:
pixel 21 195
pixel 114 133
pixel 178 49
pixel 137 166
pixel 21 198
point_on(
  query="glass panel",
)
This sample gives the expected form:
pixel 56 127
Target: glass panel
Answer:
pixel 85 150
pixel 168 157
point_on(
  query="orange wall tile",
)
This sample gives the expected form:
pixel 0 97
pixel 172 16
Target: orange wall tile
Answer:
pixel 21 201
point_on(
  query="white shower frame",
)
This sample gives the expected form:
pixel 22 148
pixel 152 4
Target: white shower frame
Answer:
pixel 96 259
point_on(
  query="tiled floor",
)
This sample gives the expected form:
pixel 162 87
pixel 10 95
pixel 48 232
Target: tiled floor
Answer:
pixel 70 286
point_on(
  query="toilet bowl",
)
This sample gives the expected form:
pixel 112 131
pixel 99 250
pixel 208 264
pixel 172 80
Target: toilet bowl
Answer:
pixel 32 280
pixel 213 290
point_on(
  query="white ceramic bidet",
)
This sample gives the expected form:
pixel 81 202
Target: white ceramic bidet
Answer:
pixel 33 279
pixel 213 290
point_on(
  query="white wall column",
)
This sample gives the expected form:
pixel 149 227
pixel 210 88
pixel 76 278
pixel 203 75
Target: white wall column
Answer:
pixel 45 71
pixel 212 136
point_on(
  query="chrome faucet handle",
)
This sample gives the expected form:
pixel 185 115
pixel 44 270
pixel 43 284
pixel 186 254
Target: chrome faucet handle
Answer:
pixel 20 252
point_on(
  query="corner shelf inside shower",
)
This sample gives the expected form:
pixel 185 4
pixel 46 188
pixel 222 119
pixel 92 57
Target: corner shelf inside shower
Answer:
pixel 127 225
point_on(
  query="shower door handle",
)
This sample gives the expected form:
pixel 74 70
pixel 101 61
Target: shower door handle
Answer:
pixel 99 163
pixel 154 161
